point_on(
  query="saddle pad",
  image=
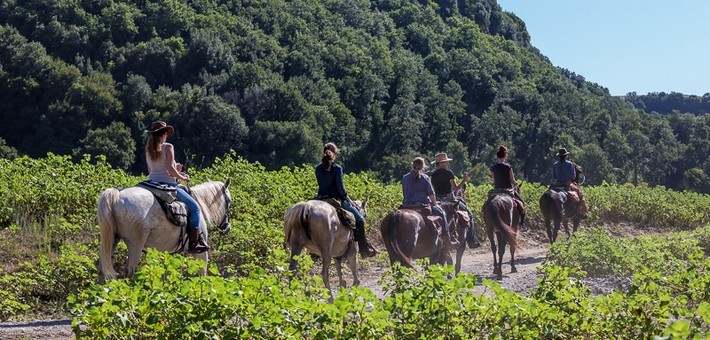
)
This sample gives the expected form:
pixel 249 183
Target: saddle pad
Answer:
pixel 500 191
pixel 175 211
pixel 346 218
pixel 159 190
pixel 430 221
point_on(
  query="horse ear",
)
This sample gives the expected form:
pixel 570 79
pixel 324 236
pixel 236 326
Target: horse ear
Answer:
pixel 226 183
pixel 365 202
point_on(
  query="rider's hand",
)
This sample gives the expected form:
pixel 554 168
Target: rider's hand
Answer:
pixel 185 177
pixel 465 176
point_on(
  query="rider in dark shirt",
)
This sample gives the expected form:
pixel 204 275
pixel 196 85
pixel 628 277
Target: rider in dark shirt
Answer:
pixel 330 185
pixel 445 187
pixel 504 179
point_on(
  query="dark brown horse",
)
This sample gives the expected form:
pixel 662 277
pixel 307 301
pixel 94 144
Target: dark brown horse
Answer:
pixel 501 218
pixel 407 236
pixel 464 227
pixel 556 207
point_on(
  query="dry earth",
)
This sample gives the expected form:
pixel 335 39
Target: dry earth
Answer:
pixel 479 262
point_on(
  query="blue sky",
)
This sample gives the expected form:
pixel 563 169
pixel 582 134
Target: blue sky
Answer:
pixel 626 46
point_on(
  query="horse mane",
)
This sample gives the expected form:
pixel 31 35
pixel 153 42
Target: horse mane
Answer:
pixel 209 196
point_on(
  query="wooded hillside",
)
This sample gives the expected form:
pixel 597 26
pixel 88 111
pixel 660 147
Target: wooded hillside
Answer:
pixel 272 80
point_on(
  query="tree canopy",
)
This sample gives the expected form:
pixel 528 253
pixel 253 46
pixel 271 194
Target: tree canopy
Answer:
pixel 272 80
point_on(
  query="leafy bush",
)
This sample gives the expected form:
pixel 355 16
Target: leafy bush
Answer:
pixel 167 300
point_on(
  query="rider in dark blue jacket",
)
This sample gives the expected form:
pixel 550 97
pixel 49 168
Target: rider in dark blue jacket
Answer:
pixel 330 185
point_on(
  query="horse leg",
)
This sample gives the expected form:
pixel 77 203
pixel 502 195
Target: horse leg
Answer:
pixel 295 251
pixel 352 264
pixel 548 227
pixel 575 225
pixel 339 270
pixel 459 256
pixel 556 230
pixel 502 240
pixel 565 224
pixel 512 260
pixel 134 256
pixel 496 264
pixel 325 273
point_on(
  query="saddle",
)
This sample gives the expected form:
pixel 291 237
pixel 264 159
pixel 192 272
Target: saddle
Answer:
pixel 175 211
pixel 346 218
pixel 431 221
pixel 566 194
pixel 510 192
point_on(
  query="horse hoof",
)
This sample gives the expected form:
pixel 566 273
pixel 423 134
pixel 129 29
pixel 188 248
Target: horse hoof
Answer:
pixel 499 277
pixel 513 270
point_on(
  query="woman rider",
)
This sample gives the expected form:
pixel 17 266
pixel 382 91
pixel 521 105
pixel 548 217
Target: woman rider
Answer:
pixel 330 185
pixel 417 189
pixel 162 168
pixel 504 180
pixel 444 185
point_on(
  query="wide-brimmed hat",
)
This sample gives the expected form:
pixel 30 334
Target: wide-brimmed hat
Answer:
pixel 562 152
pixel 157 128
pixel 441 157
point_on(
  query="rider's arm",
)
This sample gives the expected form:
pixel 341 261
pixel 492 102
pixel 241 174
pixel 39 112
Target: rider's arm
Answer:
pixel 457 187
pixel 512 177
pixel 170 163
pixel 339 183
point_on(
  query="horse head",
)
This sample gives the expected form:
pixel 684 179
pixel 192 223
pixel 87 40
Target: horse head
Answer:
pixel 360 206
pixel 579 179
pixel 224 226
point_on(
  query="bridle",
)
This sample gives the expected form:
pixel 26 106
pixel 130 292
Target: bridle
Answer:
pixel 224 225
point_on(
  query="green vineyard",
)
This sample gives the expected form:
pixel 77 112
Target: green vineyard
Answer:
pixel 49 245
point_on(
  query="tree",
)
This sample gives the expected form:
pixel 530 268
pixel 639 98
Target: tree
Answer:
pixel 114 141
pixel 207 127
pixel 277 144
pixel 597 167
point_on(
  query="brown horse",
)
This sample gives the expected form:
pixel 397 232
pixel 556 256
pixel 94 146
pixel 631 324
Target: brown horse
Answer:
pixel 464 227
pixel 407 236
pixel 501 218
pixel 315 225
pixel 556 207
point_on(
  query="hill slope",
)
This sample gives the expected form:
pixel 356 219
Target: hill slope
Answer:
pixel 386 80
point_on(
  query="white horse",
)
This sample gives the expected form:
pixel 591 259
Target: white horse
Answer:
pixel 134 216
pixel 315 225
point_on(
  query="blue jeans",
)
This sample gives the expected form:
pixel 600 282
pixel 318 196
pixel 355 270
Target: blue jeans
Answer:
pixel 437 211
pixel 193 210
pixel 349 207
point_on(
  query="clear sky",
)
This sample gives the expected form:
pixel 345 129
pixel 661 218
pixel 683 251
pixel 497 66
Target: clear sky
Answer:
pixel 626 46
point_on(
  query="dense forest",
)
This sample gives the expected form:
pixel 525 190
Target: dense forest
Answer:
pixel 274 79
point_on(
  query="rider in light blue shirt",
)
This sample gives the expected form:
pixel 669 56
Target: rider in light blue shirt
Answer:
pixel 417 189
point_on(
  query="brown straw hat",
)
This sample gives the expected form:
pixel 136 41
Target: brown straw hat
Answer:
pixel 157 128
pixel 562 152
pixel 441 157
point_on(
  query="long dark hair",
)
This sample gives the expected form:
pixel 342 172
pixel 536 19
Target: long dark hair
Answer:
pixel 330 150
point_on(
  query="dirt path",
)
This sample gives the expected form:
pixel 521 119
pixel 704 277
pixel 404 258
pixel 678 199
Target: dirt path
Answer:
pixel 479 262
pixel 49 329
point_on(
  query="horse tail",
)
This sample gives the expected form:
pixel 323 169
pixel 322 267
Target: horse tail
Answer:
pixel 393 222
pixel 107 225
pixel 296 219
pixel 494 210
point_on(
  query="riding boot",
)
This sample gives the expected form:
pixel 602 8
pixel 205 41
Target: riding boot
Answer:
pixel 366 250
pixel 196 242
